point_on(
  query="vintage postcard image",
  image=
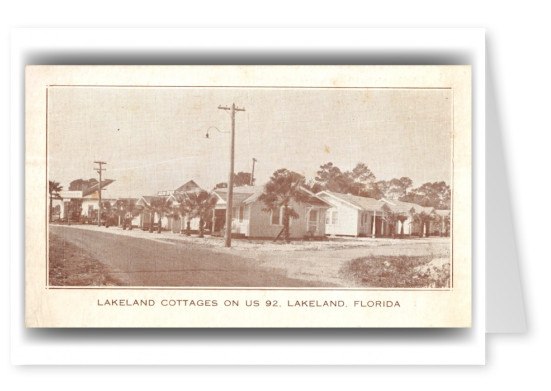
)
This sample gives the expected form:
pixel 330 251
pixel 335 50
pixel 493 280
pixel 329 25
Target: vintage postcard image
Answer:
pixel 248 196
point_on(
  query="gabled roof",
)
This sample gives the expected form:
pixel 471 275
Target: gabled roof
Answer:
pixel 146 200
pixel 313 199
pixel 243 195
pixel 187 187
pixel 92 189
pixel 362 203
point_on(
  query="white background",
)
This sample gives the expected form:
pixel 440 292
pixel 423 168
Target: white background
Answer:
pixel 517 39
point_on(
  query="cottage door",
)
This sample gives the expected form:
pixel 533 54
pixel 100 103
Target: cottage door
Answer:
pixel 313 222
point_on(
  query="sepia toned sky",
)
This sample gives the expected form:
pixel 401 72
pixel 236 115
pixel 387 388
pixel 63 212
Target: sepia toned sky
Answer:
pixel 154 138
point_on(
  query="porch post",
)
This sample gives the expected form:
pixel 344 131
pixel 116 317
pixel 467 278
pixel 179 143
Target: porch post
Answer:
pixel 383 223
pixel 373 225
pixel 442 226
pixel 307 220
pixel 213 221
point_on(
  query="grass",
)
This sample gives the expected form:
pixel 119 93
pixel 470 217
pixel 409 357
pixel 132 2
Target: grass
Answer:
pixel 71 266
pixel 398 272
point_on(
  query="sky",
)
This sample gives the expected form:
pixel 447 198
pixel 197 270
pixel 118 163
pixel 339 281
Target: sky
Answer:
pixel 153 138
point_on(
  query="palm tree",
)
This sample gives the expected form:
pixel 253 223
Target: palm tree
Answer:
pixel 161 206
pixel 392 218
pixel 53 190
pixel 423 219
pixel 108 213
pixel 284 187
pixel 184 211
pixel 125 210
pixel 200 205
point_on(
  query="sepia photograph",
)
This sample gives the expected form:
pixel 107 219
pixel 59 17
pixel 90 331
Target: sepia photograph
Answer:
pixel 248 196
pixel 249 187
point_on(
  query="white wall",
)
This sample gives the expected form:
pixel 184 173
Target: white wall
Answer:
pixel 347 220
pixel 260 222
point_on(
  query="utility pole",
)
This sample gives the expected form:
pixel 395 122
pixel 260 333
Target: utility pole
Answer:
pixel 252 174
pixel 99 170
pixel 229 202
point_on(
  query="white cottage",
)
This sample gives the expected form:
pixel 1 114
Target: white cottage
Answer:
pixel 250 220
pixel 351 215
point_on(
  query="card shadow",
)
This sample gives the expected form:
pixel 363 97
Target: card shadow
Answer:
pixel 505 311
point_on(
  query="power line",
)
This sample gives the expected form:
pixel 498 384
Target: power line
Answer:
pixel 99 170
pixel 229 205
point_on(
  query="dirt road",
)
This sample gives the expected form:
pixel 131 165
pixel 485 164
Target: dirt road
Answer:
pixel 144 262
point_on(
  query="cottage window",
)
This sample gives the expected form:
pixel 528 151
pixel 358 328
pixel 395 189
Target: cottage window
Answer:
pixel 240 213
pixel 335 217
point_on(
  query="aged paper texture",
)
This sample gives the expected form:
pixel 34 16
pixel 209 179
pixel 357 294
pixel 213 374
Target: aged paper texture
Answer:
pixel 248 196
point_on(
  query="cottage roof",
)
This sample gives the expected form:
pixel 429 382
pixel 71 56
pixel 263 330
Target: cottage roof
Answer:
pixel 146 200
pixel 241 194
pixel 313 199
pixel 95 187
pixel 406 207
pixel 188 187
pixel 364 203
pixel 249 194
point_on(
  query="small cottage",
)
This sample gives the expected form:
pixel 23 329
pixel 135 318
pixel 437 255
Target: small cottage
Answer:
pixel 251 220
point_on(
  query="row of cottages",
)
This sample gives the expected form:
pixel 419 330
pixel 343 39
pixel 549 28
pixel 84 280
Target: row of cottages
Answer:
pixel 351 215
pixel 251 220
pixel 168 221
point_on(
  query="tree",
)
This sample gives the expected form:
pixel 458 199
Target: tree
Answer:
pixel 199 205
pixel 242 179
pixel 284 187
pixel 391 218
pixel 109 214
pixel 435 194
pixel 382 188
pixel 361 181
pixel 125 210
pixel 183 210
pixel 313 186
pixel 331 178
pixel 239 179
pixel 74 210
pixel 423 219
pixel 406 183
pixel 161 206
pixel 53 189
pixel 443 222
pixel 394 189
